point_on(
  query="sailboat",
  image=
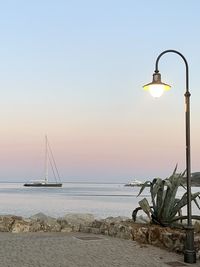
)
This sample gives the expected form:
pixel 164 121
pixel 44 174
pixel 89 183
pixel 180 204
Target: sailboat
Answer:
pixel 49 161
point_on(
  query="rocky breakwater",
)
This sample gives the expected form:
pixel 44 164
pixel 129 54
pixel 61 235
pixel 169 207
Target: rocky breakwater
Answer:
pixel 141 231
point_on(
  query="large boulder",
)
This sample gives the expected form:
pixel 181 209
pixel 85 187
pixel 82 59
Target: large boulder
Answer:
pixel 21 225
pixel 74 221
pixel 42 222
pixel 140 234
pixel 40 217
pixel 113 226
pixel 117 219
pixel 7 221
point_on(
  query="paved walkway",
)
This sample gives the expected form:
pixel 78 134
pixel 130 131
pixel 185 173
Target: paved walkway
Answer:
pixel 80 250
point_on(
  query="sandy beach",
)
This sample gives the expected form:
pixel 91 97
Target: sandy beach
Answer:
pixel 80 250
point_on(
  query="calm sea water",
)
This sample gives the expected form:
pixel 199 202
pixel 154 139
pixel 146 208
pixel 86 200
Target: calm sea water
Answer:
pixel 102 200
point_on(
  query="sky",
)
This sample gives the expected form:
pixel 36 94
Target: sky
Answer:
pixel 74 70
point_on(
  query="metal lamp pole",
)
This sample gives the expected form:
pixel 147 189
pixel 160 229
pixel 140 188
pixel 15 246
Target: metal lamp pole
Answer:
pixel 189 253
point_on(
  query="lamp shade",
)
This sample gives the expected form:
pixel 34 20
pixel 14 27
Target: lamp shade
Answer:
pixel 156 88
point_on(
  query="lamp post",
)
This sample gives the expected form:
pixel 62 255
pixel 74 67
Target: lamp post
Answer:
pixel 156 88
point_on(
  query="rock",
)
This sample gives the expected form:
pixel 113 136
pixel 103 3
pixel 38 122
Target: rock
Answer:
pixel 124 232
pixel 85 229
pixel 114 226
pixel 167 240
pixel 140 234
pixel 112 230
pixel 197 226
pixel 174 241
pixel 40 217
pixel 51 226
pixel 104 228
pixel 74 221
pixel 115 219
pixel 47 223
pixel 142 219
pixel 64 225
pixel 154 236
pixel 197 245
pixel 79 217
pixel 94 230
pixel 164 237
pixel 96 223
pixel 116 230
pixel 21 225
pixel 35 226
pixel 6 222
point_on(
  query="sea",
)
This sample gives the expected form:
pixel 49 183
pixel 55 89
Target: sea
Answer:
pixel 100 199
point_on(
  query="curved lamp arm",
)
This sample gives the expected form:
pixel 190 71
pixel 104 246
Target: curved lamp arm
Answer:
pixel 184 59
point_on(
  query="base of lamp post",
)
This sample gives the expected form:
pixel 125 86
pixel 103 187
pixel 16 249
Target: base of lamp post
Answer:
pixel 190 256
pixel 189 253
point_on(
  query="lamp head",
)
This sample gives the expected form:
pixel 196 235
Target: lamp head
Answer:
pixel 156 87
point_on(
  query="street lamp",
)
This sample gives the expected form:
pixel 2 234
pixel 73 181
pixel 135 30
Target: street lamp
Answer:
pixel 156 89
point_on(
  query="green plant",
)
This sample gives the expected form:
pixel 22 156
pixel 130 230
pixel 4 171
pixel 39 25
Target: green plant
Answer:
pixel 166 207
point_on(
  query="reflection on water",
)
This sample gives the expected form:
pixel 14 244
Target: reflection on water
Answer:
pixel 102 200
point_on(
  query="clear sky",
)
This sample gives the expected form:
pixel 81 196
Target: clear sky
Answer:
pixel 74 70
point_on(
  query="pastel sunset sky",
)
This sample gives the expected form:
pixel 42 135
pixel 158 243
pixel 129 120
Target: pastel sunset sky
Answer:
pixel 74 70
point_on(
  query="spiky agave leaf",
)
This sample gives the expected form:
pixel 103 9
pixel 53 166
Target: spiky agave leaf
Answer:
pixel 146 184
pixel 153 190
pixel 183 202
pixel 193 217
pixel 168 186
pixel 160 198
pixel 175 169
pixel 144 204
pixel 134 213
pixel 169 201
pixel 156 184
pixel 176 201
pixel 176 179
pixel 197 204
pixel 182 185
pixel 179 205
pixel 168 183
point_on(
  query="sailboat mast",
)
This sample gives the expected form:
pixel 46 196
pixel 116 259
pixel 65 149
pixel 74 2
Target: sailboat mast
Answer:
pixel 46 160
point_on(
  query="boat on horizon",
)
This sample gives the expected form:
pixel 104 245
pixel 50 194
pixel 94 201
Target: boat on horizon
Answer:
pixel 49 161
pixel 135 183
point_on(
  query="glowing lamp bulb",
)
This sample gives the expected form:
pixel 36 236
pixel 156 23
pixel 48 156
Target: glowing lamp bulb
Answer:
pixel 156 88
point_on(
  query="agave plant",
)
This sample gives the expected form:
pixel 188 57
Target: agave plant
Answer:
pixel 166 207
